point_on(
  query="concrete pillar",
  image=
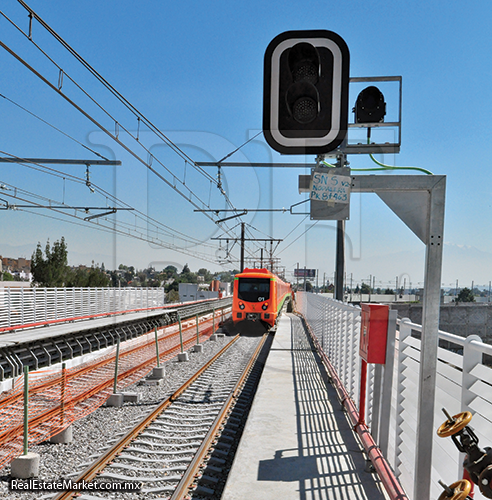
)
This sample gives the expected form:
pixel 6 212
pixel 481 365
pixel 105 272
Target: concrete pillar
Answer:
pixel 115 400
pixel 63 437
pixel 158 372
pixel 25 466
pixel 131 397
pixel 183 356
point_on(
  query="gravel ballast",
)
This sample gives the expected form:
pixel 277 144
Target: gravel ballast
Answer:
pixel 102 428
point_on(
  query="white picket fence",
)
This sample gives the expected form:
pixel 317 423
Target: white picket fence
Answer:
pixel 24 306
pixel 464 383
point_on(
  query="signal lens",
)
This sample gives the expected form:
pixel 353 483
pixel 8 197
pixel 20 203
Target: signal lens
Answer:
pixel 241 305
pixel 265 306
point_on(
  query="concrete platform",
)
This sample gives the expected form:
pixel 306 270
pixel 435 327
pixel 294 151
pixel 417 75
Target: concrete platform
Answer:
pixel 59 330
pixel 298 443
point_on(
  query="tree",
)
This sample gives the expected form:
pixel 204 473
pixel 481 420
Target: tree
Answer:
pixel 465 295
pixel 207 275
pixel 172 296
pixel 52 270
pixel 365 288
pixel 7 276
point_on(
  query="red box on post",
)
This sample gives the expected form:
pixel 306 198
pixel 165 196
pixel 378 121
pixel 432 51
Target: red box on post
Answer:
pixel 374 333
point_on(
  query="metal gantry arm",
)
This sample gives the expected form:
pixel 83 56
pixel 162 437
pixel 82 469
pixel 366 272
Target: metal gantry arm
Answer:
pixel 419 200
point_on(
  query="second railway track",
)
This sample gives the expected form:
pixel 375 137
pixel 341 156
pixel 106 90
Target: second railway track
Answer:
pixel 167 450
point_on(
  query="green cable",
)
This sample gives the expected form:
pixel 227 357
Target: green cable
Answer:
pixel 389 167
pixel 383 167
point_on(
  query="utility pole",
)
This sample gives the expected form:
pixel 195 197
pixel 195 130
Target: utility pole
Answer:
pixel 297 284
pixel 340 258
pixel 304 278
pixel 242 239
pixel 261 258
pixel 271 256
pixel 242 246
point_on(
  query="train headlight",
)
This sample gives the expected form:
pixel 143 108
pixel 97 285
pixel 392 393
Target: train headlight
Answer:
pixel 241 305
pixel 265 306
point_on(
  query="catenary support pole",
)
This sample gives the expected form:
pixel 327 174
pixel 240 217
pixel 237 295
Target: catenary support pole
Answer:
pixel 242 246
pixel 340 260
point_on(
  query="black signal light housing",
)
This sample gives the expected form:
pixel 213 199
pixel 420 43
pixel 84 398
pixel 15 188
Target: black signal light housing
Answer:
pixel 305 98
pixel 370 106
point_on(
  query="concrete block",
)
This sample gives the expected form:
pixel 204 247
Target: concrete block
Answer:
pixel 25 466
pixel 152 381
pixel 158 372
pixel 183 356
pixel 63 437
pixel 131 397
pixel 213 337
pixel 198 348
pixel 115 400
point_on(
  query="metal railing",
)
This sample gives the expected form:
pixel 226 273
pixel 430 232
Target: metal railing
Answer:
pixel 35 306
pixel 464 383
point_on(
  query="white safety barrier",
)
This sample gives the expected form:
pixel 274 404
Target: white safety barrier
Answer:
pixel 32 306
pixel 464 383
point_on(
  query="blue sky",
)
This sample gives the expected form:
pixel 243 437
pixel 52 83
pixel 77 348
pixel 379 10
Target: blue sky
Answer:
pixel 195 70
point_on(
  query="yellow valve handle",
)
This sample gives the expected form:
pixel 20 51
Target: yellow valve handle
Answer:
pixel 461 420
pixel 461 489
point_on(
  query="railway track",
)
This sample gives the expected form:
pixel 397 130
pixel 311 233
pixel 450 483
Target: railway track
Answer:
pixel 184 445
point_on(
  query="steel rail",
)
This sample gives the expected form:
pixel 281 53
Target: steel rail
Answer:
pixel 78 372
pixel 91 472
pixel 190 475
pixel 47 416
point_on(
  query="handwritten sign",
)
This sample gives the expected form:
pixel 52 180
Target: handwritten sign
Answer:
pixel 330 186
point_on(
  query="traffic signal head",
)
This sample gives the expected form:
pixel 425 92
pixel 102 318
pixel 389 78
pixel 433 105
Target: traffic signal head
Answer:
pixel 305 106
pixel 370 106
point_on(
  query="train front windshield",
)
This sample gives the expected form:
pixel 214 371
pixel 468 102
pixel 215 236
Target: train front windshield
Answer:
pixel 253 289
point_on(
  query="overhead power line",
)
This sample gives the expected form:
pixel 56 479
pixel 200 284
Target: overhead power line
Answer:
pixel 141 118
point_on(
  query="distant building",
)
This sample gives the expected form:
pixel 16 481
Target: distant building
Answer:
pixel 15 265
pixel 15 284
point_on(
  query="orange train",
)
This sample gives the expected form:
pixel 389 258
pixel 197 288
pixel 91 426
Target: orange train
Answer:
pixel 258 296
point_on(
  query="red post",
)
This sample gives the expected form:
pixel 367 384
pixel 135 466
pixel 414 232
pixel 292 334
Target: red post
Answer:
pixel 362 393
pixel 468 478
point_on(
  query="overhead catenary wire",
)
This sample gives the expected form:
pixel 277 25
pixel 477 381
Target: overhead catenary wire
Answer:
pixel 70 177
pixel 118 95
pixel 97 224
pixel 307 229
pixel 53 127
pixel 189 196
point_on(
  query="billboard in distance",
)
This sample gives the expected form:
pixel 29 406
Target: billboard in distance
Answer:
pixel 304 273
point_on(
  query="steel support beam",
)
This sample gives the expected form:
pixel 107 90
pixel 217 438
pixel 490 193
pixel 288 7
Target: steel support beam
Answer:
pixel 427 221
